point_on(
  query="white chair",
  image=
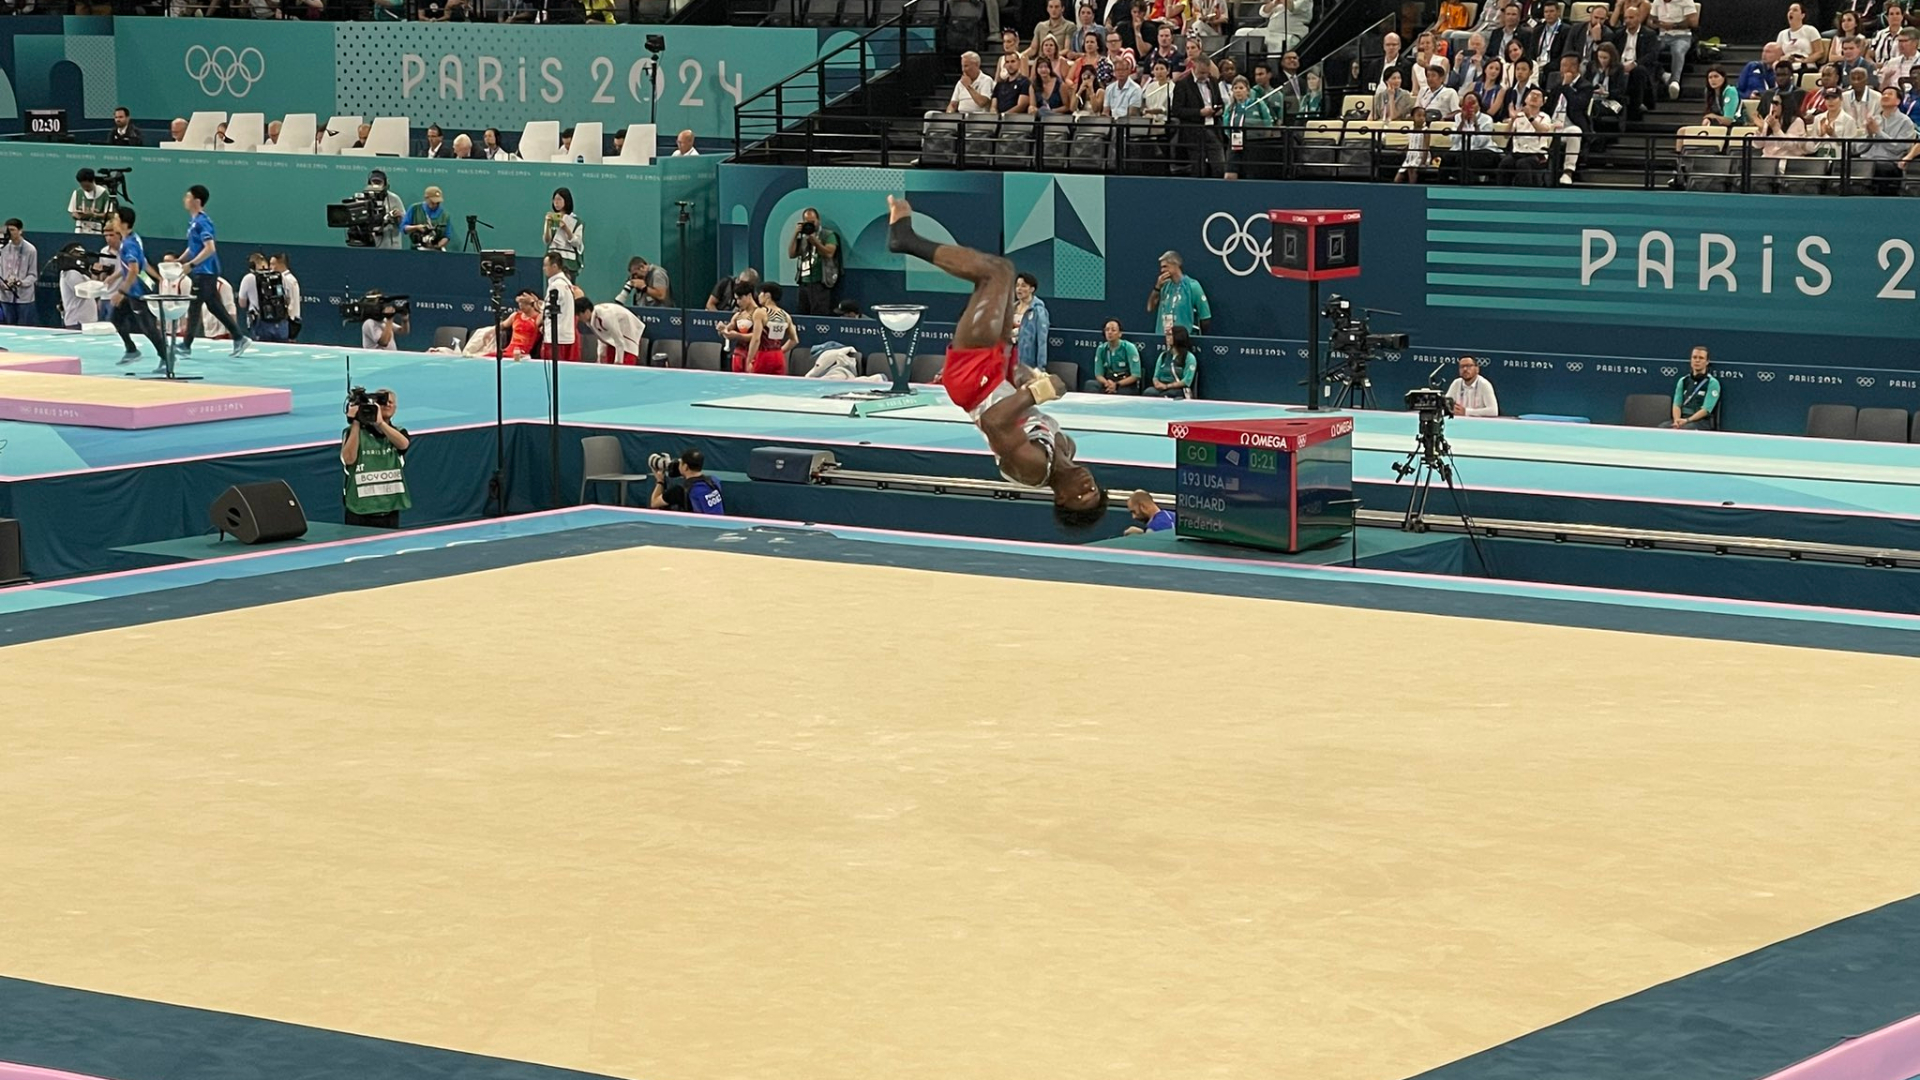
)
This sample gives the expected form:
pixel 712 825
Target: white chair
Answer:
pixel 387 139
pixel 296 135
pixel 246 131
pixel 639 147
pixel 540 140
pixel 201 129
pixel 586 144
pixel 341 133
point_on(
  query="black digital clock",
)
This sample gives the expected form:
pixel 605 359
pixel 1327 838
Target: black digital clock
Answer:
pixel 46 122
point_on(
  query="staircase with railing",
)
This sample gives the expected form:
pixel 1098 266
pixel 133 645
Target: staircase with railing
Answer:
pixel 881 73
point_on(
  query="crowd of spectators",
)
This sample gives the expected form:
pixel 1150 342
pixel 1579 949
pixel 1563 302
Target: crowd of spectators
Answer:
pixel 504 11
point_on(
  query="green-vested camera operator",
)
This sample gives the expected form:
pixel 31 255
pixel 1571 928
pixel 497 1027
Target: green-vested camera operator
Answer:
pixel 373 455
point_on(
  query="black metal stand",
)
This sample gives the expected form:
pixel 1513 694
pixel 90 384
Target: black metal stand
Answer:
pixel 497 487
pixel 1357 391
pixel 1314 389
pixel 168 374
pixel 1434 457
pixel 472 241
pixel 553 398
pixel 681 290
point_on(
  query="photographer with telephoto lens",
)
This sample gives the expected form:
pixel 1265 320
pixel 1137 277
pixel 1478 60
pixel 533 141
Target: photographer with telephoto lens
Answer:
pixel 692 490
pixel 373 457
pixel 382 318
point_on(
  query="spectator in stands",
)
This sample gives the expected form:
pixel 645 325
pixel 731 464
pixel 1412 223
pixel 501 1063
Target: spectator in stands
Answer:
pixel 1910 101
pixel 462 148
pixel 1887 41
pixel 1783 81
pixel 1553 38
pixel 1509 30
pixel 1451 17
pixel 1031 325
pixel 1762 75
pixel 1519 78
pixel 437 143
pixel 1050 52
pixel 1424 57
pixel 1473 148
pixel 1469 65
pixel 1176 373
pixel 177 130
pixel 1227 71
pixel 1829 79
pixel 1484 24
pixel 973 93
pixel 373 458
pixel 563 233
pixel 1800 43
pixel 1845 25
pixel 1013 92
pixel 1853 57
pixel 1116 364
pixel 426 222
pixel 1196 104
pixel 1723 102
pixel 1862 10
pixel 1595 34
pixel 1054 28
pixel 692 490
pixel 1156 98
pixel 1696 394
pixel 1244 114
pixel 1164 49
pixel 1114 47
pixel 1417 158
pixel 1675 22
pixel 1084 25
pixel 1569 102
pixel 1193 50
pixel 1126 97
pixel 124 133
pixel 1138 32
pixel 1639 47
pixel 1858 99
pixel 815 249
pixel 1085 98
pixel 1471 394
pixel 1441 102
pixel 1050 95
pixel 1287 22
pixel 1009 45
pixel 1532 142
pixel 1612 105
pixel 1090 59
pixel 1833 126
pixel 490 147
pixel 1390 102
pixel 1891 146
pixel 523 326
pixel 1905 59
pixel 446 11
pixel 1492 93
pixel 1178 300
pixel 1206 22
pixel 647 285
pixel 1783 127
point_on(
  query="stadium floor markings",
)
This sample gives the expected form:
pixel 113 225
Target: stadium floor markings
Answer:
pixel 736 816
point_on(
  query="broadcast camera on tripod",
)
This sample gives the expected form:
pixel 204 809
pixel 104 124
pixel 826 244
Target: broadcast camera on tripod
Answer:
pixel 1432 456
pixel 1354 342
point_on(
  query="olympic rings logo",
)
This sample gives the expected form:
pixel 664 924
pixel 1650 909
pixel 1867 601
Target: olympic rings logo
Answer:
pixel 1239 238
pixel 1177 431
pixel 221 70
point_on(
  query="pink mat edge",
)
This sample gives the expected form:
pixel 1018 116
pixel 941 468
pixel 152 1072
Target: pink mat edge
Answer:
pixel 1888 1053
pixel 13 1071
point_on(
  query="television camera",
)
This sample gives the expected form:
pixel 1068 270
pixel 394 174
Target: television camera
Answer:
pixel 1354 341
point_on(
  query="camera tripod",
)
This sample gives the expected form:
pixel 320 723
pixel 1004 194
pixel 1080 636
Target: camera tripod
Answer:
pixel 1356 388
pixel 472 240
pixel 1432 456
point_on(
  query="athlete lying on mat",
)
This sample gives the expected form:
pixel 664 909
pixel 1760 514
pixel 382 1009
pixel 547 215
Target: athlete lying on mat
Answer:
pixel 1002 396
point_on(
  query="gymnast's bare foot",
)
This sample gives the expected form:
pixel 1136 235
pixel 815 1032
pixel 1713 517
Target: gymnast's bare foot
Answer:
pixel 897 208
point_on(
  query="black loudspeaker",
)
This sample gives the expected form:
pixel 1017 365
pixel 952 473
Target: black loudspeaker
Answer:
pixel 259 513
pixel 12 563
pixel 788 465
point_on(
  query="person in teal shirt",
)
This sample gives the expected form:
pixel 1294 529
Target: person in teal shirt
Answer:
pixel 1243 112
pixel 1695 395
pixel 1178 300
pixel 1177 372
pixel 1116 364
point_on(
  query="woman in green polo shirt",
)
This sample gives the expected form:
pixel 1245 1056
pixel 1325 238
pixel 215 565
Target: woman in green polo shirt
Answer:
pixel 1116 364
pixel 1177 372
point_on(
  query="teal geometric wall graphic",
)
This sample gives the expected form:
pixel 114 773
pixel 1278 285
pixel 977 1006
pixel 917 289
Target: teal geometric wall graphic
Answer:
pixel 100 75
pixel 1078 274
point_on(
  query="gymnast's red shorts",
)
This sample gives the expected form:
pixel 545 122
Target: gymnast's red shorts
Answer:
pixel 971 374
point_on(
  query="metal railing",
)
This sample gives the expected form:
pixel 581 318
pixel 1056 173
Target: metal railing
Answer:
pixel 846 76
pixel 823 13
pixel 1326 150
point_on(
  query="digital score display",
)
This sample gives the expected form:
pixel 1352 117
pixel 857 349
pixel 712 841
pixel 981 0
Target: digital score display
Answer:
pixel 46 123
pixel 1279 485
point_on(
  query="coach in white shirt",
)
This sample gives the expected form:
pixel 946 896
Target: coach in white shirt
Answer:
pixel 974 92
pixel 1470 394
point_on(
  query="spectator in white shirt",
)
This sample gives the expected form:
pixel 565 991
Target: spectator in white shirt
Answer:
pixel 1887 42
pixel 1471 395
pixel 1473 147
pixel 974 92
pixel 1800 42
pixel 1834 126
pixel 1440 101
pixel 1860 100
pixel 1676 21
pixel 1905 58
pixel 1532 141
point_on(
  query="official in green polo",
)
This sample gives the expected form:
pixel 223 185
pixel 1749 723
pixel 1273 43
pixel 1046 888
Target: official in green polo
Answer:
pixel 373 458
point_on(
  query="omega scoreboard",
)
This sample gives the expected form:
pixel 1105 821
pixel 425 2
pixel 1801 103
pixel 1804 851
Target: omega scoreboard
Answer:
pixel 1282 485
pixel 1315 245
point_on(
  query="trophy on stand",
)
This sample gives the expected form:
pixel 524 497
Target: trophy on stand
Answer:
pixel 899 321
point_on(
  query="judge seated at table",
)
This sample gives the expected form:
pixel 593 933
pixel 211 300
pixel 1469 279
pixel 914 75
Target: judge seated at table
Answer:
pixel 1471 394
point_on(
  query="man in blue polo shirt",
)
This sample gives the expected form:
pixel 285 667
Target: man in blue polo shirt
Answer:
pixel 128 290
pixel 203 270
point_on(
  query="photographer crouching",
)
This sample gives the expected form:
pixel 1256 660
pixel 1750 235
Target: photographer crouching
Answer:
pixel 691 489
pixel 373 455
